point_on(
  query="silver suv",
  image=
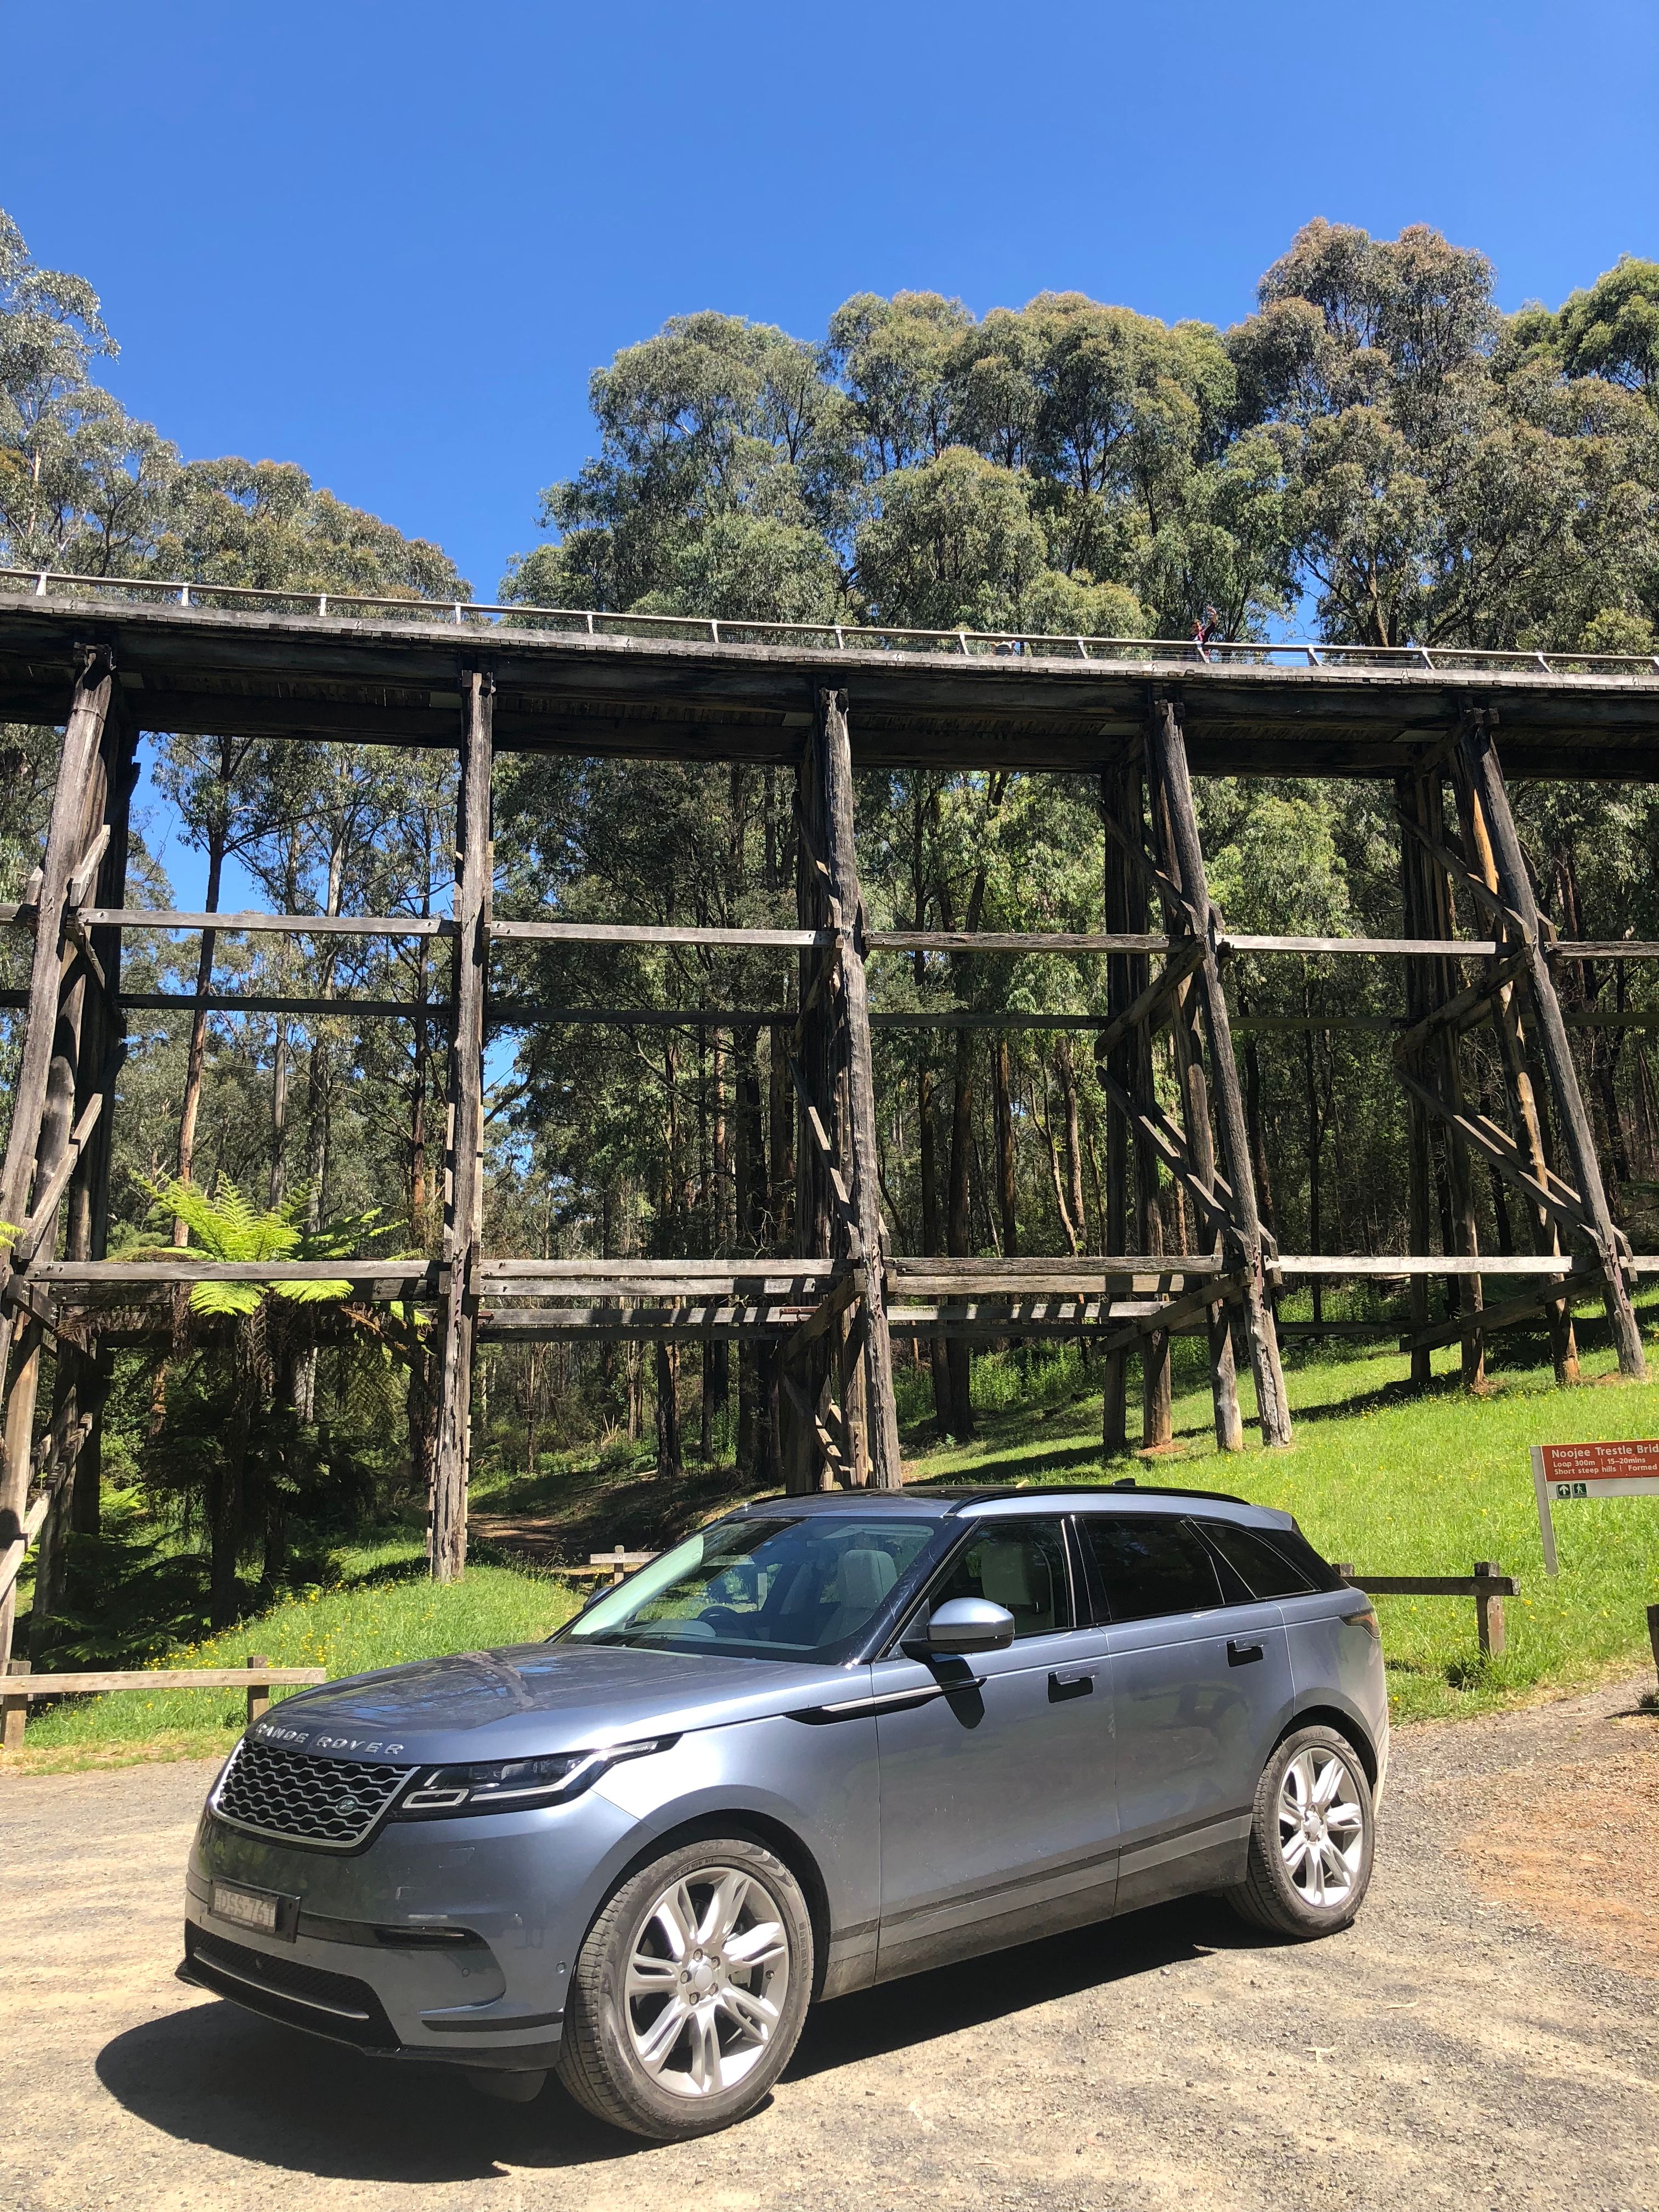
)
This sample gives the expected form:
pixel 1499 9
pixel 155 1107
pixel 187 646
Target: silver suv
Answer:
pixel 822 1743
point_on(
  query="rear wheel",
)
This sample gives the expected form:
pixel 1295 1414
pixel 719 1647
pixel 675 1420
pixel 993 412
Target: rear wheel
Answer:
pixel 690 1991
pixel 1311 1837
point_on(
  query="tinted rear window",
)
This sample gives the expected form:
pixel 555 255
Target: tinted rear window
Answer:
pixel 1265 1570
pixel 1149 1564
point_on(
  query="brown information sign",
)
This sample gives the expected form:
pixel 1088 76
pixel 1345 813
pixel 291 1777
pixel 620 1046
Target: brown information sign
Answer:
pixel 1562 1474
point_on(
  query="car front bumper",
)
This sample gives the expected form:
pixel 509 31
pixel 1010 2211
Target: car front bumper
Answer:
pixel 440 1939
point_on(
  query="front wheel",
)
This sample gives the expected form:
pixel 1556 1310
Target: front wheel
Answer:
pixel 1312 1834
pixel 690 1991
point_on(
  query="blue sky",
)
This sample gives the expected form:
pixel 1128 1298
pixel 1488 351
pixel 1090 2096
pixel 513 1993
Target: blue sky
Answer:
pixel 391 242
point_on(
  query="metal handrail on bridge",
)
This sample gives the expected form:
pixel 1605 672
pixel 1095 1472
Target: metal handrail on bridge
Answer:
pixel 837 637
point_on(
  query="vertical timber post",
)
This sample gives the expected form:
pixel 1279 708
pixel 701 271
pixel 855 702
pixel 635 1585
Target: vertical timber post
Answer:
pixel 835 763
pixel 1480 759
pixel 1517 1084
pixel 1121 990
pixel 451 1460
pixel 1167 753
pixel 76 804
pixel 804 1376
pixel 1200 1146
pixel 1420 1137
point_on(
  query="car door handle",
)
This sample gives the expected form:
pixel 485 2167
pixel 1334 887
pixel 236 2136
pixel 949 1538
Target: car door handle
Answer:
pixel 1241 1654
pixel 1069 1684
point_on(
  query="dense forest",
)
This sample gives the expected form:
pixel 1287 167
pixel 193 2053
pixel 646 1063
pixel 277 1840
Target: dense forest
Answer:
pixel 1376 455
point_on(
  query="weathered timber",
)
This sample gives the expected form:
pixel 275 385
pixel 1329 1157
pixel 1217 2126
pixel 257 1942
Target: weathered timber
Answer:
pixel 841 855
pixel 1480 759
pixel 1535 1306
pixel 44 1092
pixel 447 1522
pixel 249 923
pixel 652 932
pixel 1199 1149
pixel 266 1002
pixel 164 1678
pixel 1517 1078
pixel 1012 940
pixel 1166 749
pixel 115 1273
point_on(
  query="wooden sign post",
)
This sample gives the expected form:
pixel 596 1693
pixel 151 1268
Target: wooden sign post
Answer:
pixel 1563 1473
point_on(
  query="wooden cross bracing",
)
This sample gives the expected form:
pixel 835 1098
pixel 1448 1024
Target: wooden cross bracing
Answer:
pixel 825 1320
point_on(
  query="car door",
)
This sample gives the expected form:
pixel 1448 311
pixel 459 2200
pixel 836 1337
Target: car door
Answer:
pixel 997 1813
pixel 1200 1679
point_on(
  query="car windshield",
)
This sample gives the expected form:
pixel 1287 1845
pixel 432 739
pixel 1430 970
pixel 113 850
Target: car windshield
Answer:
pixel 772 1587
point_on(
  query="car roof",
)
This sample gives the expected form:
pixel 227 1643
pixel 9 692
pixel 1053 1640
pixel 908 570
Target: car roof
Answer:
pixel 966 1501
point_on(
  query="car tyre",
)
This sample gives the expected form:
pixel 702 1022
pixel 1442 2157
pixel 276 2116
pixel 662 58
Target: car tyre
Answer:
pixel 1312 1838
pixel 690 1991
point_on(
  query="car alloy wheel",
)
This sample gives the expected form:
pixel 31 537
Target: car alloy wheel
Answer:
pixel 707 1980
pixel 1322 1826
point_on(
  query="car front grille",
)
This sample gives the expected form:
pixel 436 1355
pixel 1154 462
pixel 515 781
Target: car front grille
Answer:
pixel 285 1990
pixel 332 1804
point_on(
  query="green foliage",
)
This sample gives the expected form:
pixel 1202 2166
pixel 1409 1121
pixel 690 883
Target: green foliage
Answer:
pixel 228 1227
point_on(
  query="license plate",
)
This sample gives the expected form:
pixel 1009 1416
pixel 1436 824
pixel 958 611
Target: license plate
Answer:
pixel 262 1909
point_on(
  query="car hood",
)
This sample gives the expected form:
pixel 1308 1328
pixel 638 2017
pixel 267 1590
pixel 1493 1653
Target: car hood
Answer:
pixel 539 1697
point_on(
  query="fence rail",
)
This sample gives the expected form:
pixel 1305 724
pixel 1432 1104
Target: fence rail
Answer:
pixel 827 637
pixel 20 1684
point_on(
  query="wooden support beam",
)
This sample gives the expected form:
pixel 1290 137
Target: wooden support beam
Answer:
pixel 1012 940
pixel 1535 1306
pixel 1192 1306
pixel 1479 758
pixel 44 1091
pixel 841 854
pixel 247 923
pixel 851 1286
pixel 1500 1148
pixel 652 932
pixel 1514 1060
pixel 1121 895
pixel 462 1222
pixel 1166 749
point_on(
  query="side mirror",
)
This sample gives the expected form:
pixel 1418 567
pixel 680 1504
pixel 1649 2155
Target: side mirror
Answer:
pixel 960 1627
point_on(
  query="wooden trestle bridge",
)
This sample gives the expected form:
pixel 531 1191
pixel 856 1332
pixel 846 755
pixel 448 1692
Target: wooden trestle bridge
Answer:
pixel 108 661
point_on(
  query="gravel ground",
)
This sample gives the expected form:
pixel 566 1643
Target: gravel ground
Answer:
pixel 1485 2036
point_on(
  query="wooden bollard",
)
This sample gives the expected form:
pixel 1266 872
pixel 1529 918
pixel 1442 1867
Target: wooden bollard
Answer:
pixel 1488 1611
pixel 1653 1632
pixel 258 1694
pixel 16 1710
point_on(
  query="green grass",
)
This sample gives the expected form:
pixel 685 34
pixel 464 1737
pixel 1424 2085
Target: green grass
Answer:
pixel 1398 1485
pixel 376 1609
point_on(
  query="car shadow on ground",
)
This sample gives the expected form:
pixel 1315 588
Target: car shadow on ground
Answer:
pixel 214 2075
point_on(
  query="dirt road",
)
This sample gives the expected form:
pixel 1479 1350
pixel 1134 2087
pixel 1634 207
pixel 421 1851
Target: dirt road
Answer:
pixel 1455 2048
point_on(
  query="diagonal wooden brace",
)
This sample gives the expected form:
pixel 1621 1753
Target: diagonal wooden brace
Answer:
pixel 1496 1146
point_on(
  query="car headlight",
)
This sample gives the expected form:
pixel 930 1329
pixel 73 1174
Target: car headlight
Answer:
pixel 511 1785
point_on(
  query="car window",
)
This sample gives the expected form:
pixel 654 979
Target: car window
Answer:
pixel 1020 1565
pixel 1265 1570
pixel 772 1587
pixel 1151 1563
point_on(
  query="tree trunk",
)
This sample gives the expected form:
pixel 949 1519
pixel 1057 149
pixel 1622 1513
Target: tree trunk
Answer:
pixel 195 1057
pixel 1007 1193
pixel 1066 1069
